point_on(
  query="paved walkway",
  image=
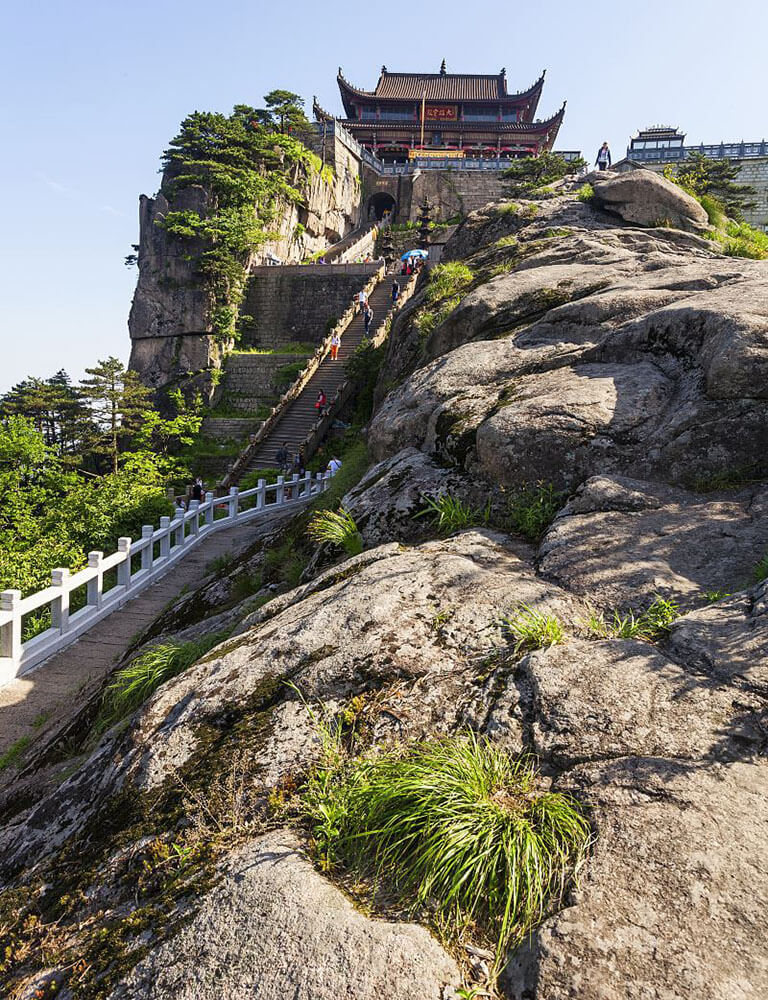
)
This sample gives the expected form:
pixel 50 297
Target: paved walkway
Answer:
pixel 36 703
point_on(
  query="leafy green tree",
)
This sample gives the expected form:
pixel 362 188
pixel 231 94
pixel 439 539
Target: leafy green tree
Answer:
pixel 717 178
pixel 117 398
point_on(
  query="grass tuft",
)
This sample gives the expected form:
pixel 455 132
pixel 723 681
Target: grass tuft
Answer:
pixel 451 514
pixel 338 528
pixel 586 193
pixel 533 508
pixel 760 572
pixel 143 676
pixel 455 828
pixel 651 624
pixel 533 629
pixel 15 752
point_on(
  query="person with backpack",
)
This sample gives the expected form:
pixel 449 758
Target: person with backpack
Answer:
pixel 283 458
pixel 198 490
pixel 395 291
pixel 603 160
pixel 367 319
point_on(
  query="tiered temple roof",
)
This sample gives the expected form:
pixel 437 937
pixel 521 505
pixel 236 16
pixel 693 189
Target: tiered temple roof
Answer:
pixel 446 114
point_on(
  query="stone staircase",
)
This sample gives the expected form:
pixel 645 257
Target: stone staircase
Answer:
pixel 299 417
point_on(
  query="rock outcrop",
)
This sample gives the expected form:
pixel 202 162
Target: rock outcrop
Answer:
pixel 644 198
pixel 171 322
pixel 624 367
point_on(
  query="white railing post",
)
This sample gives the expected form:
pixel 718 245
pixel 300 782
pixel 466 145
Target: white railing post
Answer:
pixel 327 476
pixel 10 634
pixel 147 553
pixel 179 514
pixel 261 495
pixel 319 484
pixel 60 604
pixel 295 486
pixel 95 587
pixel 124 568
pixel 195 510
pixel 165 540
pixel 234 501
pixel 209 508
pixel 280 491
pixel 307 484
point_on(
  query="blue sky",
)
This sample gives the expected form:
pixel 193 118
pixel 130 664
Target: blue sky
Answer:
pixel 91 93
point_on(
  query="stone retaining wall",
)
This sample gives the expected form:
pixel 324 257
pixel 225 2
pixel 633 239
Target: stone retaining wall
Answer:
pixel 299 303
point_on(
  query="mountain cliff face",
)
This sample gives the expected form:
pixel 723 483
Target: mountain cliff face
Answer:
pixel 625 366
pixel 171 323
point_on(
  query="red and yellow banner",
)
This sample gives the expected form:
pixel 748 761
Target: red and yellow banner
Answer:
pixel 441 113
pixel 437 154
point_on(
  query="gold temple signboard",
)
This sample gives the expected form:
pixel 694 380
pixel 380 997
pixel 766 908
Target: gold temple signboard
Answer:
pixel 441 113
pixel 437 154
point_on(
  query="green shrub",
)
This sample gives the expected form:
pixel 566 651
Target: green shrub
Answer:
pixel 132 685
pixel 451 514
pixel 533 630
pixel 586 193
pixel 742 240
pixel 447 279
pixel 455 828
pixel 532 173
pixel 651 624
pixel 338 528
pixel 506 241
pixel 286 375
pixel 251 479
pixel 533 508
pixel 429 319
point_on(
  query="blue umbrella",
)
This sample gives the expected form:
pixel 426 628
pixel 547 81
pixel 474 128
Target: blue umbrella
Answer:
pixel 414 253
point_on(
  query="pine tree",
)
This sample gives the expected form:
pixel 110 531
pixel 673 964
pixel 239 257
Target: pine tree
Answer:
pixel 116 398
pixel 284 111
pixel 702 175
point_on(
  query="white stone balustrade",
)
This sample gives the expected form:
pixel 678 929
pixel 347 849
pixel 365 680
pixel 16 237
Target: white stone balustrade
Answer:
pixel 156 552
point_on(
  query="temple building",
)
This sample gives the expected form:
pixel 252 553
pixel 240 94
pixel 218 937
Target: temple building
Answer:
pixel 445 115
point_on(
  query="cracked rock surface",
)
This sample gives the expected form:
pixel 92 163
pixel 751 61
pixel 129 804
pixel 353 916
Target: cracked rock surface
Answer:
pixel 626 366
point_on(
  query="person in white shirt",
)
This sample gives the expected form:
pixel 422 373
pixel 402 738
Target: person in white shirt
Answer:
pixel 334 465
pixel 362 299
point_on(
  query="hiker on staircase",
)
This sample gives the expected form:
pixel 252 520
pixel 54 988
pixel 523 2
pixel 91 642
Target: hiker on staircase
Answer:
pixel 367 317
pixel 335 343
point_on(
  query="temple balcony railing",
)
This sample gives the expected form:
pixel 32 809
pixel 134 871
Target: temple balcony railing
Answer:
pixel 420 163
pixel 714 151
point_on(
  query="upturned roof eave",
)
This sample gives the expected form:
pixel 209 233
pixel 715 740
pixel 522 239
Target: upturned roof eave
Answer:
pixel 530 96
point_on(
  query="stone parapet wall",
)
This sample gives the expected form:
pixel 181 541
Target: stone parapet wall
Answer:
pixel 249 379
pixel 299 303
pixel 229 428
pixel 755 173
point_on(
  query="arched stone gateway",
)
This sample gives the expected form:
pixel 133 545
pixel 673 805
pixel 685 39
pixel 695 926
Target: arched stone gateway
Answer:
pixel 380 203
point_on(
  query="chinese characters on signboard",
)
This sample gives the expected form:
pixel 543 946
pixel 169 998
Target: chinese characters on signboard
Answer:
pixel 441 113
